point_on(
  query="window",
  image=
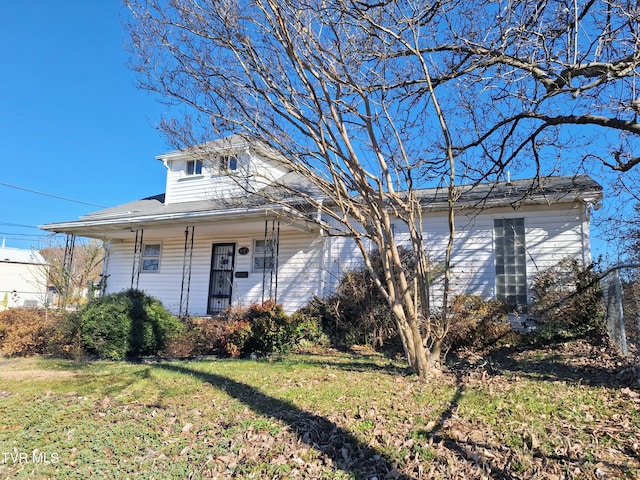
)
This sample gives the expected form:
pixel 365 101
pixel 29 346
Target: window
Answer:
pixel 511 262
pixel 150 257
pixel 263 255
pixel 227 163
pixel 194 167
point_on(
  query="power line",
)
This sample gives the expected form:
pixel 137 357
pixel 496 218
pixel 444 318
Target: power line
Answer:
pixel 6 224
pixel 17 234
pixel 51 195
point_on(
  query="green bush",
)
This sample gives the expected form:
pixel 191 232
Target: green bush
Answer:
pixel 567 301
pixel 308 331
pixel 272 330
pixel 127 324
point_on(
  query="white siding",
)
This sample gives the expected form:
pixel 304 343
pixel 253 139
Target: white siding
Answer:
pixel 299 271
pixel 551 234
pixel 311 264
pixel 252 173
pixel 23 285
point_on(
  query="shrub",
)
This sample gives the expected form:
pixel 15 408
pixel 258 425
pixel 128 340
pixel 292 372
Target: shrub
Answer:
pixel 65 341
pixel 26 332
pixel 235 337
pixel 567 301
pixel 200 336
pixel 128 323
pixel 272 330
pixel 477 323
pixel 239 330
pixel 356 313
pixel 308 331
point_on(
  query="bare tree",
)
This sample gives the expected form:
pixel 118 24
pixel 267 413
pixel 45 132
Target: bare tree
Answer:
pixel 371 101
pixel 85 269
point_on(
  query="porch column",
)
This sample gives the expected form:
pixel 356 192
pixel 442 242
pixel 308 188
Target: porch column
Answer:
pixel 137 255
pixel 67 268
pixel 271 252
pixel 187 259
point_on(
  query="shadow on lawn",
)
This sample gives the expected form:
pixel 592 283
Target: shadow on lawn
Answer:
pixel 461 448
pixel 555 365
pixel 359 365
pixel 502 459
pixel 316 431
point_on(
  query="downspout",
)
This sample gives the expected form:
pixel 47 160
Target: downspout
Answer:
pixel 325 251
pixel 585 216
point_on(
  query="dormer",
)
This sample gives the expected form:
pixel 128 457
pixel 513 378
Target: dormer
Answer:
pixel 222 169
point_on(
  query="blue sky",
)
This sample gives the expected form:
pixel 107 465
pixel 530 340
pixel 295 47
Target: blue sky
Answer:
pixel 72 122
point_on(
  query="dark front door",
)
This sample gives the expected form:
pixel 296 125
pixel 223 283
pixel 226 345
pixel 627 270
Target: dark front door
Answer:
pixel 221 281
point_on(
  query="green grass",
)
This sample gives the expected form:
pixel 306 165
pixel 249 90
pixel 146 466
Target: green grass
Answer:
pixel 302 416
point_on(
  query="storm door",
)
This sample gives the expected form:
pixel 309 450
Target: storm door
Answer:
pixel 221 281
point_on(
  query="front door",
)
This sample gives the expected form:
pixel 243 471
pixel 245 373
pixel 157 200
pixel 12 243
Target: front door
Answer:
pixel 221 281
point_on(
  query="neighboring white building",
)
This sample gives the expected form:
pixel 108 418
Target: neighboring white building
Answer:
pixel 23 278
pixel 207 243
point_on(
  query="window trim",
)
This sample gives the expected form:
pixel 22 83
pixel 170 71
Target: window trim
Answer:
pixel 144 256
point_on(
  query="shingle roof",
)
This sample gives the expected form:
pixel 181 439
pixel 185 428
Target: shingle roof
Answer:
pixel 517 192
pixel 155 205
pixel 544 190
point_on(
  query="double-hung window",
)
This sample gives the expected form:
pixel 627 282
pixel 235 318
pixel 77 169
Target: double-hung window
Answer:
pixel 263 255
pixel 511 262
pixel 227 163
pixel 193 167
pixel 150 260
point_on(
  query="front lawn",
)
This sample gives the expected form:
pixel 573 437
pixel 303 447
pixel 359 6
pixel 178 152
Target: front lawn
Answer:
pixel 328 415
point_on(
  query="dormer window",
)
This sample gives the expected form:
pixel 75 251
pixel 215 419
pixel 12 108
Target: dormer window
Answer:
pixel 227 163
pixel 193 167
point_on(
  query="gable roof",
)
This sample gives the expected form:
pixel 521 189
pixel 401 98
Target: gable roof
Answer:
pixel 233 142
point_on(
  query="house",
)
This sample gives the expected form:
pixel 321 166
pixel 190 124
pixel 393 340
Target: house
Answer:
pixel 209 242
pixel 23 278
